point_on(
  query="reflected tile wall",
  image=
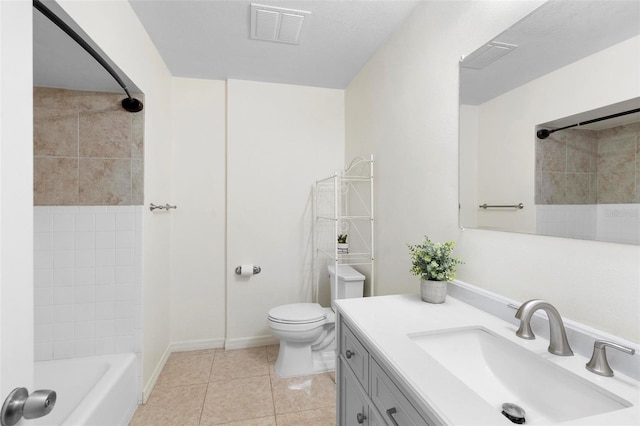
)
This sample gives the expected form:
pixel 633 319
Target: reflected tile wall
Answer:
pixel 88 150
pixel 578 166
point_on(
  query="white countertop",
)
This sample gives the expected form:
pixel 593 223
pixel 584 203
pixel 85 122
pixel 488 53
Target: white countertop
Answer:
pixel 385 321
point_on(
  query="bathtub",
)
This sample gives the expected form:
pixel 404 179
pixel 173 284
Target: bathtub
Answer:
pixel 99 390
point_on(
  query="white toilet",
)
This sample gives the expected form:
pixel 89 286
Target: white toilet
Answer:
pixel 306 330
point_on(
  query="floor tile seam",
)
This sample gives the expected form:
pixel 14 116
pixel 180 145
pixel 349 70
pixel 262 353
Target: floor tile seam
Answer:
pixel 273 397
pixel 306 409
pixel 213 381
pixel 166 386
pixel 204 400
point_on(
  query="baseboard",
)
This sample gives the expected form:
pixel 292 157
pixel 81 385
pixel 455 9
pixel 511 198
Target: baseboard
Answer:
pixel 250 342
pixel 196 345
pixel 146 391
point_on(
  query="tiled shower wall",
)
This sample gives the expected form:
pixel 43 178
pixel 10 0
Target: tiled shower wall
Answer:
pixel 588 184
pixel 578 166
pixel 88 281
pixel 87 149
pixel 88 191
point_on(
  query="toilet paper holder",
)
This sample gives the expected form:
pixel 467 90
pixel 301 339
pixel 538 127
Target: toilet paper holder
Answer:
pixel 256 270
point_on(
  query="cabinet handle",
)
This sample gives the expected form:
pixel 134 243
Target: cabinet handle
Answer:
pixel 349 354
pixel 390 412
pixel 361 418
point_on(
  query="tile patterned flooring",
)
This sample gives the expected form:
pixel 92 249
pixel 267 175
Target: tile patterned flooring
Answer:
pixel 236 387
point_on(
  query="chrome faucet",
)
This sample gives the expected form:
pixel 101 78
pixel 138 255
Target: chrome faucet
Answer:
pixel 558 343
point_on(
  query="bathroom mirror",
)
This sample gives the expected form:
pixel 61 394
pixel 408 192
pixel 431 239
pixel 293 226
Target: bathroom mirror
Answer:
pixel 565 63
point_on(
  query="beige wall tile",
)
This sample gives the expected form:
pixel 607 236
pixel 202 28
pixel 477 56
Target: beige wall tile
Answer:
pixel 55 181
pixel 92 126
pixel 99 101
pixel 137 182
pixel 137 135
pixel 45 97
pixel 554 154
pixel 581 155
pixel 104 181
pixel 553 187
pixel 55 132
pixel 577 188
pixel 105 134
pixel 616 188
pixel 617 155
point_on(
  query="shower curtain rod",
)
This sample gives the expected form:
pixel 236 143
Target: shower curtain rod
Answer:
pixel 544 133
pixel 129 103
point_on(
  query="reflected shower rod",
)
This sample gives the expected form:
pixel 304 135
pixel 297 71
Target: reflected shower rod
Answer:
pixel 129 103
pixel 544 133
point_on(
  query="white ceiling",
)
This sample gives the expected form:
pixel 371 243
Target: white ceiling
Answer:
pixel 211 39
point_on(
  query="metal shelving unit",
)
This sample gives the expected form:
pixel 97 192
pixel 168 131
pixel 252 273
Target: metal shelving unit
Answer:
pixel 343 204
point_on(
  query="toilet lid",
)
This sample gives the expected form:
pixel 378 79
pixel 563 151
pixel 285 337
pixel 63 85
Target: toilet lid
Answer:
pixel 298 312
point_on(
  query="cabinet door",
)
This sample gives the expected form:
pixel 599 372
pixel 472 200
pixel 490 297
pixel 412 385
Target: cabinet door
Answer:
pixel 355 355
pixel 354 406
pixel 390 401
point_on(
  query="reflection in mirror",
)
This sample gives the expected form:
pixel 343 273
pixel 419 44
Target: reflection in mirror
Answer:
pixel 565 63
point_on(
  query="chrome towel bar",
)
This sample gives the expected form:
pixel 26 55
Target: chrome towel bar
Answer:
pixel 515 206
pixel 152 207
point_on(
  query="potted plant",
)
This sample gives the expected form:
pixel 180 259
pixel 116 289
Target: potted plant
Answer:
pixel 343 246
pixel 435 265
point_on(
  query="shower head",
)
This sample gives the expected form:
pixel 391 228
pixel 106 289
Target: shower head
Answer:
pixel 132 104
pixel 541 134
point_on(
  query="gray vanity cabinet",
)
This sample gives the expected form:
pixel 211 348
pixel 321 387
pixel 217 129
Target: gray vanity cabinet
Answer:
pixel 367 395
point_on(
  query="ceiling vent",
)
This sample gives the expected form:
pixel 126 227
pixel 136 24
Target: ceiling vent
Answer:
pixel 277 24
pixel 487 54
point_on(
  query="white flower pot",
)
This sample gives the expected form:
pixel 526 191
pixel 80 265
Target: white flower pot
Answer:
pixel 343 247
pixel 433 291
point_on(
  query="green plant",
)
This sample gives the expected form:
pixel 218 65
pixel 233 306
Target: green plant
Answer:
pixel 342 238
pixel 433 261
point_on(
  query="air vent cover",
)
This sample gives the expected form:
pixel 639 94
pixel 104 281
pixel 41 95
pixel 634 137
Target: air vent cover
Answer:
pixel 277 24
pixel 487 54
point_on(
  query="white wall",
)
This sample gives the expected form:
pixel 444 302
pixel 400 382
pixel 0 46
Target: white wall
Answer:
pixel 198 224
pixel 403 107
pixel 280 139
pixel 137 57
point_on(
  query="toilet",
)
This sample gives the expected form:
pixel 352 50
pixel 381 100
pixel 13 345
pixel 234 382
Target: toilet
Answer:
pixel 306 330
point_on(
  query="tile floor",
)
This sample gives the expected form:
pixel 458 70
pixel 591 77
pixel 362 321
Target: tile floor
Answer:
pixel 236 387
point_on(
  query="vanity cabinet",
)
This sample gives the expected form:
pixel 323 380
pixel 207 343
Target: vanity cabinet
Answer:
pixel 367 394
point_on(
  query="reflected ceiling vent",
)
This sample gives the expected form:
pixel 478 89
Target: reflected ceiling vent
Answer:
pixel 487 54
pixel 277 24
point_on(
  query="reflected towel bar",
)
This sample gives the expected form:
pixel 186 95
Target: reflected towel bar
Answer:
pixel 515 206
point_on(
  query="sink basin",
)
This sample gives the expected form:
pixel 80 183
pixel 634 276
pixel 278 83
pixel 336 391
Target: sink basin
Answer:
pixel 500 371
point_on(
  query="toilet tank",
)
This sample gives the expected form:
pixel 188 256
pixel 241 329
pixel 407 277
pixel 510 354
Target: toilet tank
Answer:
pixel 350 282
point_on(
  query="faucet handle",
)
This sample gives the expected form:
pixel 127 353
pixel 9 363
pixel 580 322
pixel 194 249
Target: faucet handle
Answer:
pixel 598 363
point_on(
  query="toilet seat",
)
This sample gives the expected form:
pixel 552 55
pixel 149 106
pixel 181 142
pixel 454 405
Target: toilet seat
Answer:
pixel 298 313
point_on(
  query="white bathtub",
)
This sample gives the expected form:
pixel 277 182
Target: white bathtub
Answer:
pixel 99 390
